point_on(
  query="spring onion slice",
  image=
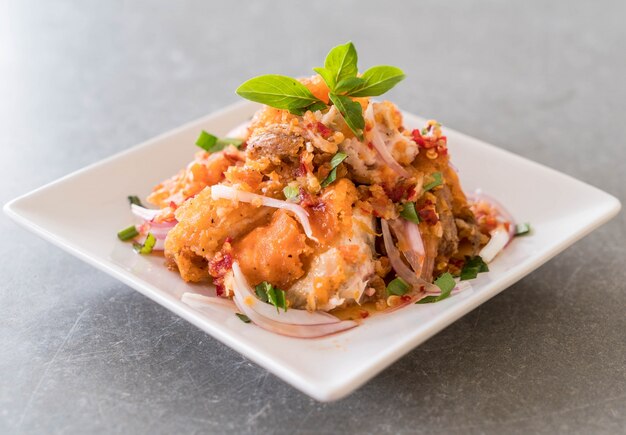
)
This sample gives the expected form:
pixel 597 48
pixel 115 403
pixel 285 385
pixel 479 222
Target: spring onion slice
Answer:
pixel 147 246
pixel 128 233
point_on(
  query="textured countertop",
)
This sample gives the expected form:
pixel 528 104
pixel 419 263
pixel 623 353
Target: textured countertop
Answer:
pixel 79 81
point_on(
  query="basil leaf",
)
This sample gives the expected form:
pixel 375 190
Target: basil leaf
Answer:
pixel 243 317
pixel 437 181
pixel 522 229
pixel 340 63
pixel 352 113
pixel 472 267
pixel 348 85
pixel 327 76
pixel 334 162
pixel 318 105
pixel 409 213
pixel 134 199
pixel 291 193
pixel 446 283
pixel 278 91
pixel 378 80
pixel 127 233
pixel 397 287
pixel 147 246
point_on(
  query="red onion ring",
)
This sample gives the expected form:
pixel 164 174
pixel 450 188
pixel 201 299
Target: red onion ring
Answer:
pixel 381 147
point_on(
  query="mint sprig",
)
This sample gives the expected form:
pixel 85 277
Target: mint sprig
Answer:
pixel 340 73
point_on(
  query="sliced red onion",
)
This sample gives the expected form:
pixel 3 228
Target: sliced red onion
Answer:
pixel 398 265
pixel 499 239
pixel 246 296
pixel 408 235
pixel 146 214
pixel 381 147
pixel 505 216
pixel 196 300
pixel 249 305
pixel 461 286
pixel 220 191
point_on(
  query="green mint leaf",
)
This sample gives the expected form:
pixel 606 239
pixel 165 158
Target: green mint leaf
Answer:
pixel 271 295
pixel 334 162
pixel 472 267
pixel 437 181
pixel 292 193
pixel 127 233
pixel 280 92
pixel 348 85
pixel 134 199
pixel 340 63
pixel 409 213
pixel 522 229
pixel 261 290
pixel 397 287
pixel 378 80
pixel 351 112
pixel 147 246
pixel 243 317
pixel 446 283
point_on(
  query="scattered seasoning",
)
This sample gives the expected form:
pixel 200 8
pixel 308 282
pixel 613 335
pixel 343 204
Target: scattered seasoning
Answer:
pixel 522 229
pixel 134 199
pixel 334 162
pixel 243 317
pixel 271 295
pixel 211 143
pixel 472 267
pixel 127 233
pixel 408 212
pixel 437 181
pixel 397 287
pixel 446 283
pixel 147 246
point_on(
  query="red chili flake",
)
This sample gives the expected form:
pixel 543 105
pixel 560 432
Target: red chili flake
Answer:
pixel 405 298
pixel 173 205
pixel 370 145
pixel 429 216
pixel 422 288
pixel 397 193
pixel 219 287
pixel 417 137
pixel 307 200
pixel 220 264
pixel 376 214
pixel 364 314
pixel 323 130
pixel 456 262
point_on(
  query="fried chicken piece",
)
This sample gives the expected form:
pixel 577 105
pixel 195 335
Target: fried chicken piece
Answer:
pixel 203 226
pixel 273 252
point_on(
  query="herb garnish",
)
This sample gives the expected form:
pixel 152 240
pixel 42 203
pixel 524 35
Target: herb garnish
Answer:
pixel 472 267
pixel 522 229
pixel 334 162
pixel 291 192
pixel 127 233
pixel 340 72
pixel 397 287
pixel 243 317
pixel 271 295
pixel 409 213
pixel 147 246
pixel 211 143
pixel 437 181
pixel 134 199
pixel 446 283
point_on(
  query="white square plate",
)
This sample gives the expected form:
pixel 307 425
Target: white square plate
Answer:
pixel 560 208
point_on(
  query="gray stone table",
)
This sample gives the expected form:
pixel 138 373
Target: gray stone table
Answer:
pixel 79 81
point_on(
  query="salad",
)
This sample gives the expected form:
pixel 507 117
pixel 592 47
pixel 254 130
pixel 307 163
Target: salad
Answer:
pixel 322 210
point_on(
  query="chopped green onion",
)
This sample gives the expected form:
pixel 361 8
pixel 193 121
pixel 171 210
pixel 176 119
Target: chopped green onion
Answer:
pixel 334 162
pixel 397 287
pixel 271 295
pixel 408 212
pixel 243 317
pixel 147 246
pixel 472 267
pixel 127 233
pixel 134 199
pixel 446 283
pixel 437 181
pixel 291 192
pixel 522 229
pixel 211 143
